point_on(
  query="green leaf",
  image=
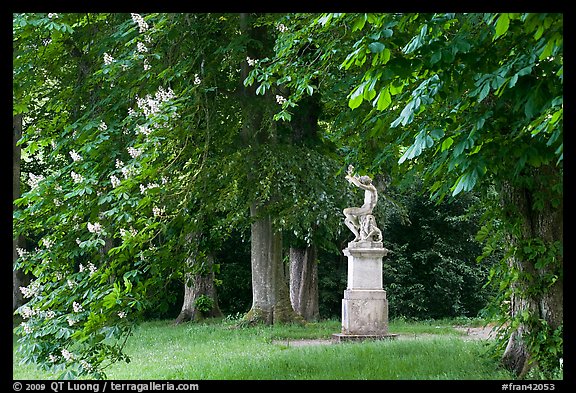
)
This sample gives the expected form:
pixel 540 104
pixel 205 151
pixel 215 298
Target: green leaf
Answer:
pixel 437 133
pixel 387 33
pixel 376 47
pixel 357 96
pixel 465 182
pixel 359 23
pixel 436 56
pixel 547 51
pixel 484 92
pixel 513 80
pixel 447 143
pixel 384 99
pixel 502 25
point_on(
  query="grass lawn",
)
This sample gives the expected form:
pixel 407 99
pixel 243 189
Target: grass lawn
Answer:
pixel 218 350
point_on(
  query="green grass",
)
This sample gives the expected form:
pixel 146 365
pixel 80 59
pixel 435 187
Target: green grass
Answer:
pixel 219 351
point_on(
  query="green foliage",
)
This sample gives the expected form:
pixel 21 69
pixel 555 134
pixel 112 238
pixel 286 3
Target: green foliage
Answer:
pixel 431 271
pixel 204 303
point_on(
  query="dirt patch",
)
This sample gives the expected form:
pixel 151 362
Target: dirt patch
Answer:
pixel 478 333
pixel 471 333
pixel 304 342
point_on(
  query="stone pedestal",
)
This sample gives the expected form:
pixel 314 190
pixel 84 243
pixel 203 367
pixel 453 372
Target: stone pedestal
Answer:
pixel 364 307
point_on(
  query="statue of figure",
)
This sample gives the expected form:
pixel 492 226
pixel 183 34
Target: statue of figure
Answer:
pixel 360 219
pixel 368 229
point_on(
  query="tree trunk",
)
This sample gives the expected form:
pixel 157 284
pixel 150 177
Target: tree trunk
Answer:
pixel 304 282
pixel 546 303
pixel 19 279
pixel 198 281
pixel 270 295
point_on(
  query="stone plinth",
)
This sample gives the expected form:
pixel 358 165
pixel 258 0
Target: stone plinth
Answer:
pixel 365 265
pixel 364 307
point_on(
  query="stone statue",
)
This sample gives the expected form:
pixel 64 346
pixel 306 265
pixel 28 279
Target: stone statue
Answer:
pixel 360 219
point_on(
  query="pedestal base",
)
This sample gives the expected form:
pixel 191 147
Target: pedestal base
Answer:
pixel 365 312
pixel 340 337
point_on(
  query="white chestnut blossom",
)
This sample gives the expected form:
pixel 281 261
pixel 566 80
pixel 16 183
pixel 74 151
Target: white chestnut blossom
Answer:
pixel 26 327
pixel 94 228
pixel 67 355
pixel 102 126
pixel 76 177
pixel 77 307
pixel 22 253
pixel 33 180
pixel 108 59
pixel 115 181
pixel 134 153
pixel 75 156
pixel 31 290
pixel 139 20
pixel 141 47
pixel 144 130
pixel 87 366
pixel 280 100
pixel 157 211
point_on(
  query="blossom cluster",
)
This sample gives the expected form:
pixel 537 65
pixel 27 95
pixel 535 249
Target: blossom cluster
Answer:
pixel 33 180
pixel 91 268
pixel 94 228
pixel 134 153
pixel 75 156
pixel 251 62
pixel 139 20
pixel 108 59
pixel 48 243
pixel 131 231
pixel 115 181
pixel 141 47
pixel 280 100
pixel 282 28
pixel 143 187
pixel 158 211
pixel 22 253
pixel 32 290
pixel 67 355
pixel 151 105
pixel 76 177
pixel 77 307
pixel 144 130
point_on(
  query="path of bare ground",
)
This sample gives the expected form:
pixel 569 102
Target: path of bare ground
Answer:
pixel 469 333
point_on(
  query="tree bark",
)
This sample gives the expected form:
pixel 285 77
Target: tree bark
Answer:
pixel 304 282
pixel 19 279
pixel 197 284
pixel 546 224
pixel 270 295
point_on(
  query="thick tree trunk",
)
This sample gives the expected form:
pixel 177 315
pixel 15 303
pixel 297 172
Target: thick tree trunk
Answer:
pixel 196 285
pixel 304 282
pixel 546 224
pixel 270 295
pixel 19 279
